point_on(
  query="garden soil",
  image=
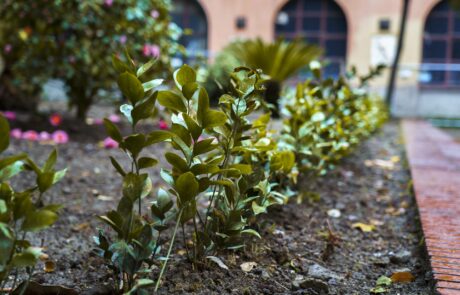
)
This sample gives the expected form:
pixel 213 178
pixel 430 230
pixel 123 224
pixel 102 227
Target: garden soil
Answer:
pixel 355 224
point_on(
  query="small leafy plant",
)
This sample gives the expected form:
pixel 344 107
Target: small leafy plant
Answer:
pixel 23 213
pixel 137 239
pixel 218 160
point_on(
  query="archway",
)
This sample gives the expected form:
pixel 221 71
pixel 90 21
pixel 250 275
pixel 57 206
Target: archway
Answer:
pixel 441 48
pixel 320 22
pixel 190 17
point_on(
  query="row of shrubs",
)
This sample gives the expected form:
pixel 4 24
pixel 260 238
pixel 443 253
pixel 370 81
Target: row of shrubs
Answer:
pixel 227 155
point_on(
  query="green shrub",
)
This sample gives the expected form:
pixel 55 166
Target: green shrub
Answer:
pixel 69 40
pixel 23 213
pixel 137 239
pixel 213 156
pixel 279 60
pixel 328 117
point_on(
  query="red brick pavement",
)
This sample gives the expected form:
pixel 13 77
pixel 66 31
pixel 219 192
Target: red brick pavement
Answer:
pixel 434 159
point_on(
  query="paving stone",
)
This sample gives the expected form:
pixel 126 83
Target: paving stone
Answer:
pixel 434 159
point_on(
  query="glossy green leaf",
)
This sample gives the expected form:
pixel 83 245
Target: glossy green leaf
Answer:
pixel 158 136
pixel 177 162
pixel 38 220
pixel 134 144
pixel 213 118
pixel 189 89
pixel 4 133
pixel 251 232
pixel 203 106
pixel 117 166
pixel 120 66
pixel 131 87
pixel 10 160
pixel 258 209
pixel 144 110
pixel 145 67
pixel 51 161
pixel 135 186
pixel 147 162
pixel 11 170
pixel 184 75
pixel 192 126
pixel 152 84
pixel 172 101
pixel 113 131
pixel 186 186
pixel 204 146
pixel 26 258
pixel 45 181
pixel 244 168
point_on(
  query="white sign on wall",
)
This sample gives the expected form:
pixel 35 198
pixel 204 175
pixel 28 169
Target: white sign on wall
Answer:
pixel 383 49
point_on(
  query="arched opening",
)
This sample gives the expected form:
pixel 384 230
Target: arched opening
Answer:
pixel 441 48
pixel 320 22
pixel 191 18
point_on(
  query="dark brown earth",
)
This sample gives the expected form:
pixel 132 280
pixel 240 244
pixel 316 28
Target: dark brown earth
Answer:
pixel 294 236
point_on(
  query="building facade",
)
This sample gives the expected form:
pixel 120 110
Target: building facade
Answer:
pixel 362 33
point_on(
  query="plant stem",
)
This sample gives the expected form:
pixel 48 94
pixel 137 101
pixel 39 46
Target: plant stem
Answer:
pixel 24 288
pixel 197 243
pixel 169 251
pixel 185 242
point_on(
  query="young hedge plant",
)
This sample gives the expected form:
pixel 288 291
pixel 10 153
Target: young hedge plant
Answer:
pixel 137 239
pixel 220 178
pixel 23 212
pixel 216 159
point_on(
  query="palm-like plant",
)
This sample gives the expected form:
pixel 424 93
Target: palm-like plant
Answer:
pixel 279 60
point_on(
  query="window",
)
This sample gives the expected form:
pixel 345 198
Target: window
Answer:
pixel 320 22
pixel 441 47
pixel 189 16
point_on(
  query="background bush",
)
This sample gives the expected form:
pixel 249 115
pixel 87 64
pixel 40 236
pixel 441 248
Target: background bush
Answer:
pixel 72 40
pixel 279 60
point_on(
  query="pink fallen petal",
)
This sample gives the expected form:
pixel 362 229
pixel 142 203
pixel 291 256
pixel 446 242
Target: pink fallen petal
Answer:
pixel 109 143
pixel 16 133
pixel 9 115
pixel 44 136
pixel 98 121
pixel 114 118
pixel 55 119
pixel 60 137
pixel 31 135
pixel 163 125
pixel 108 2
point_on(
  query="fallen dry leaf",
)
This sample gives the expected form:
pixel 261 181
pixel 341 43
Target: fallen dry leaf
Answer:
pixel 363 227
pixel 43 257
pixel 81 226
pixel 395 211
pixel 218 261
pixel 104 198
pixel 50 266
pixel 248 266
pixel 181 252
pixel 385 164
pixel 402 277
pixel 376 222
